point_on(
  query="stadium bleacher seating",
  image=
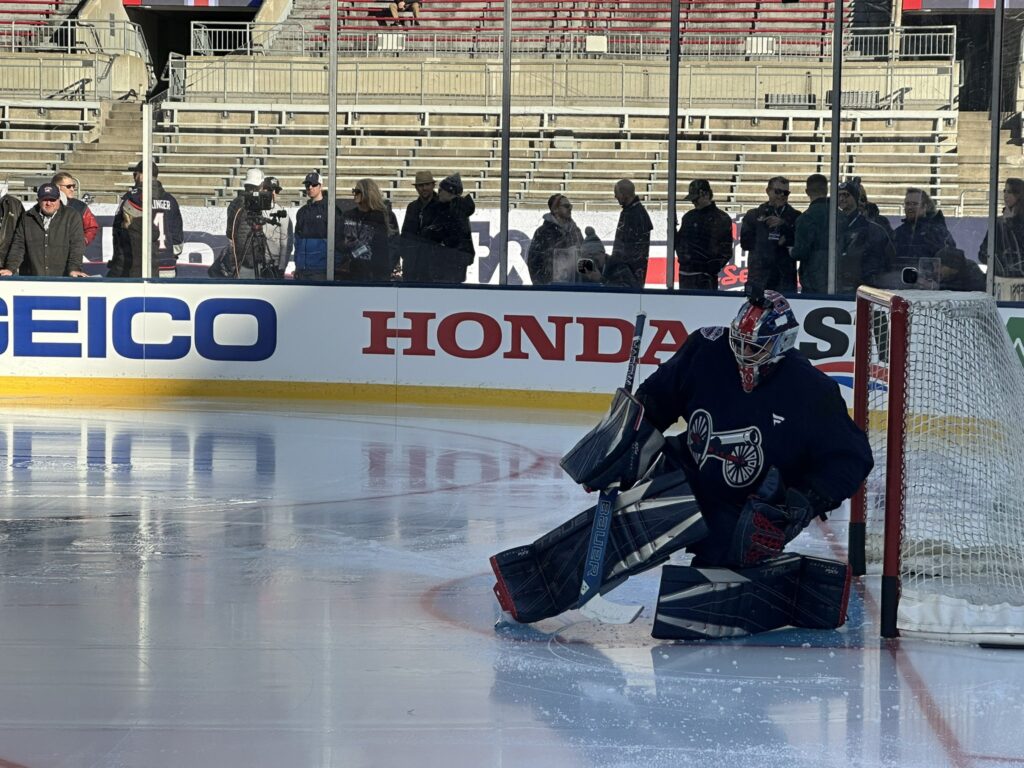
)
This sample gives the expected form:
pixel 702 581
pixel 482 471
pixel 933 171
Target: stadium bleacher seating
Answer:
pixel 204 150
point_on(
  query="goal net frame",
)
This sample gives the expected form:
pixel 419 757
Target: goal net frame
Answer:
pixel 923 600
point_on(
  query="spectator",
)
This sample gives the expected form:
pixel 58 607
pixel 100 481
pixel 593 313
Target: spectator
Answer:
pixel 253 179
pixel 810 239
pixel 68 186
pixel 632 245
pixel 168 230
pixel 418 215
pixel 555 247
pixel 870 210
pixel 1009 244
pixel 958 273
pixel 923 232
pixel 704 240
pixel 11 211
pixel 865 250
pixel 362 251
pixel 450 231
pixel 398 7
pixel 592 257
pixel 243 249
pixel 767 234
pixel 49 240
pixel 311 232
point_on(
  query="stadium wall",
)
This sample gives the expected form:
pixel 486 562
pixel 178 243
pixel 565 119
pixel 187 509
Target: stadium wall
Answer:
pixel 129 340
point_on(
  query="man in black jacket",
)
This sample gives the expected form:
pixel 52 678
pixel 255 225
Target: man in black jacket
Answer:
pixel 767 233
pixel 632 244
pixel 419 215
pixel 451 233
pixel 49 240
pixel 11 211
pixel 704 240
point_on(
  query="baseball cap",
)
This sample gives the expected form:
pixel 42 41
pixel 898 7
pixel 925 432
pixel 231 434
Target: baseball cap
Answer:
pixel 138 169
pixel 271 183
pixel 48 192
pixel 696 187
pixel 313 179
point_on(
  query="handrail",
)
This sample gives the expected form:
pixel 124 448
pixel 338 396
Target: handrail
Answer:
pixel 440 39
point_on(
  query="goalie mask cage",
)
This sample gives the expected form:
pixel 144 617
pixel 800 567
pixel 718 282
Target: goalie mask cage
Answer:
pixel 939 389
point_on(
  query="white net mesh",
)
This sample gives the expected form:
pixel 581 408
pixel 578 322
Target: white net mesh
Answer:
pixel 962 550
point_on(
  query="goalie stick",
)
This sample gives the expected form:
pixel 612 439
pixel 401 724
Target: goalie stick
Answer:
pixel 591 603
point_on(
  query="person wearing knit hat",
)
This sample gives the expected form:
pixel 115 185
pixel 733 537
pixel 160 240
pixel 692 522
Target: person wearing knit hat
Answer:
pixel 451 233
pixel 554 252
pixel 452 185
pixel 865 252
pixel 593 257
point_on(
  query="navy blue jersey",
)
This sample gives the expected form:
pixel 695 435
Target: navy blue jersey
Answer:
pixel 795 419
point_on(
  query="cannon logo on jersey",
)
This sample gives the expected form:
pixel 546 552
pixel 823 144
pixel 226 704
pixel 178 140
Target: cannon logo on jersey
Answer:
pixel 739 450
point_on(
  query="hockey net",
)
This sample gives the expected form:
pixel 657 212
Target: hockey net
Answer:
pixel 939 390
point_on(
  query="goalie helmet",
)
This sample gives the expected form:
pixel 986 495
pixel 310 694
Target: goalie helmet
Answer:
pixel 762 331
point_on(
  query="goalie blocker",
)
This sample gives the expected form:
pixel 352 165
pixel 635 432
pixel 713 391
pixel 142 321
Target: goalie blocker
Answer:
pixel 711 603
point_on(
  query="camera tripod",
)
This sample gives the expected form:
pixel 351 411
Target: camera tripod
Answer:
pixel 253 260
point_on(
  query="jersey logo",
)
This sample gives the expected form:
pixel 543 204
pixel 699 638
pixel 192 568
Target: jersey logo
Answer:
pixel 739 450
pixel 776 419
pixel 712 332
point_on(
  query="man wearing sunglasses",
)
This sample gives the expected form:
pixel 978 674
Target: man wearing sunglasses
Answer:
pixel 767 234
pixel 68 186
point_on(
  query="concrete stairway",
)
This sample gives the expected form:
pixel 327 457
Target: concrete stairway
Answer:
pixel 104 167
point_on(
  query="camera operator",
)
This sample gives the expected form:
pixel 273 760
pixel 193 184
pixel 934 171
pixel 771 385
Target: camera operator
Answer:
pixel 254 223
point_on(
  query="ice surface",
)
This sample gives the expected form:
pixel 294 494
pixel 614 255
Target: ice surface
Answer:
pixel 240 584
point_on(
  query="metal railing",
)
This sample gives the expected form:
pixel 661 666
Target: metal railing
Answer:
pixel 291 38
pixel 73 37
pixel 78 78
pixel 224 79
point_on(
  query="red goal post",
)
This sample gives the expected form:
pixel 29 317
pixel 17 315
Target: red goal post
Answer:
pixel 939 390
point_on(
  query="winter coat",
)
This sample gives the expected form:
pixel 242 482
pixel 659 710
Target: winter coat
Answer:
pixel 770 264
pixel 810 247
pixel 963 275
pixel 632 245
pixel 865 253
pixel 54 251
pixel 311 236
pixel 11 211
pixel 552 236
pixel 450 230
pixel 923 238
pixel 704 241
pixel 1009 247
pixel 90 226
pixel 361 252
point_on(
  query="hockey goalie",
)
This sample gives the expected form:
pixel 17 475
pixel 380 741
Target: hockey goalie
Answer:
pixel 768 447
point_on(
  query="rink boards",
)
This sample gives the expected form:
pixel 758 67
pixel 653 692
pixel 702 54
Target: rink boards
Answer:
pixel 475 345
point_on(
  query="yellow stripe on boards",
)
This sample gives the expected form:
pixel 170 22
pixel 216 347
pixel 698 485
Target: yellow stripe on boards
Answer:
pixel 119 392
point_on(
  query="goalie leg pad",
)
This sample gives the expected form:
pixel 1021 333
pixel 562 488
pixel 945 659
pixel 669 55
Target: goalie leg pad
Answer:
pixel 649 523
pixel 713 603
